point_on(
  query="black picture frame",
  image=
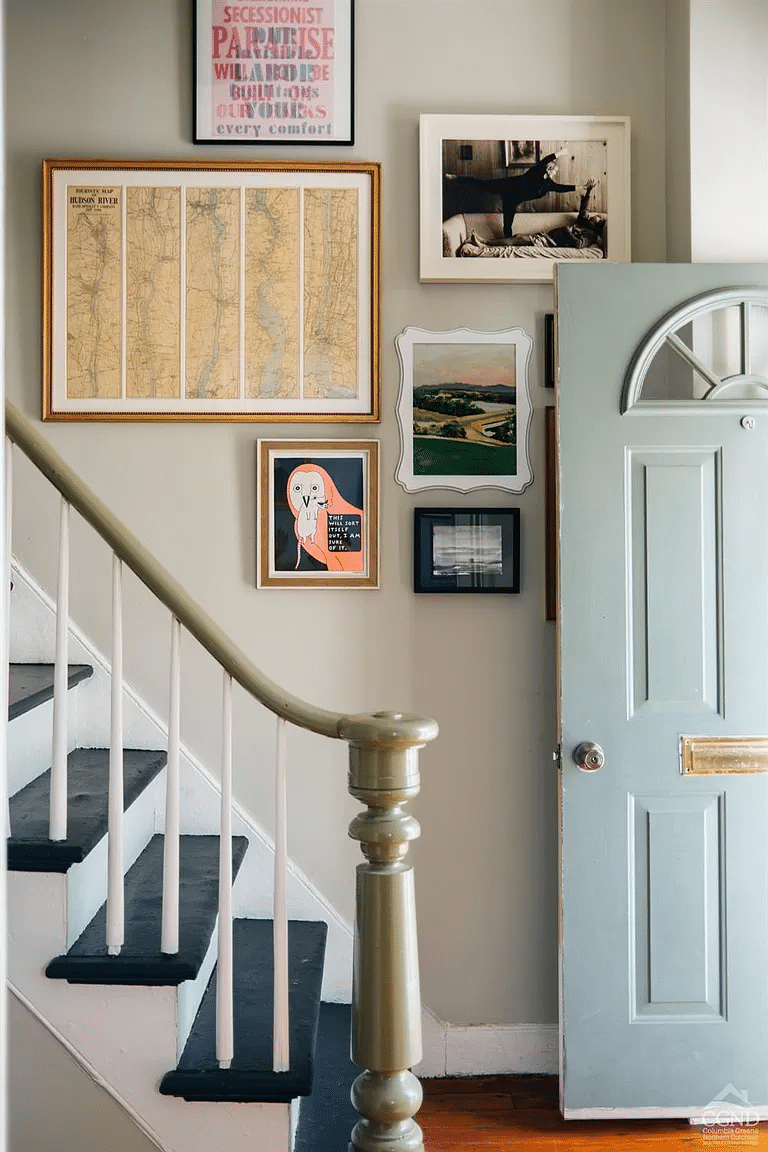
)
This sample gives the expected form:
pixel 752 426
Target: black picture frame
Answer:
pixel 550 514
pixel 469 550
pixel 549 350
pixel 274 81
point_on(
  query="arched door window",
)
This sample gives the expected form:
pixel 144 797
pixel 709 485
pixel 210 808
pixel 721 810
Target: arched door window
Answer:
pixel 713 349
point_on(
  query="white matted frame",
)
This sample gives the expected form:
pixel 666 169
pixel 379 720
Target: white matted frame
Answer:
pixel 274 73
pixel 464 410
pixel 468 169
pixel 210 290
pixel 318 516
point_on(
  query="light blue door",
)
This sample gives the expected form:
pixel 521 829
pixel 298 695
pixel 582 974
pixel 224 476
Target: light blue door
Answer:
pixel 663 488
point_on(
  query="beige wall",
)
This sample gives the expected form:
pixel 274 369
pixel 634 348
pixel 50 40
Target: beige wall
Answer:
pixel 87 78
pixel 729 129
pixel 54 1103
pixel 678 131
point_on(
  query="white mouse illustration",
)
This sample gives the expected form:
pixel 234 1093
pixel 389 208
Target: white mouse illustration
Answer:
pixel 307 495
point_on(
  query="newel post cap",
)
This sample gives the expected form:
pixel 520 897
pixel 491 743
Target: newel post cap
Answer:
pixel 383 754
pixel 387 730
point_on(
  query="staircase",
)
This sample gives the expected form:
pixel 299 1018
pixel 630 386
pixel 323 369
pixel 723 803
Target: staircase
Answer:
pixel 196 1076
pixel 206 1025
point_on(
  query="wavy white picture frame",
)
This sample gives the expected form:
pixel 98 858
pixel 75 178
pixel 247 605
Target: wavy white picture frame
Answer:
pixel 481 357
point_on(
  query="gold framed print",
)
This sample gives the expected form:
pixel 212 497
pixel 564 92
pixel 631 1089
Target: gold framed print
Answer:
pixel 318 514
pixel 210 290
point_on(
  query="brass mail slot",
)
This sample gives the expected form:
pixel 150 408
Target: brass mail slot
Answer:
pixel 714 755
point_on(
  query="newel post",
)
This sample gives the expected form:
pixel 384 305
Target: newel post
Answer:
pixel 386 1002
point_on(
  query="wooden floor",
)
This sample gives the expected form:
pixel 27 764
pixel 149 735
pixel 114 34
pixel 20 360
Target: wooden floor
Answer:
pixel 503 1112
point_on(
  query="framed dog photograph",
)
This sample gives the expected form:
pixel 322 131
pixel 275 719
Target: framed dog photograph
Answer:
pixel 504 198
pixel 318 523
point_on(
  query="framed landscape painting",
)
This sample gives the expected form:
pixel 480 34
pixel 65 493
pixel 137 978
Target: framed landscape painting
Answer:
pixel 210 290
pixel 464 410
pixel 504 198
pixel 318 514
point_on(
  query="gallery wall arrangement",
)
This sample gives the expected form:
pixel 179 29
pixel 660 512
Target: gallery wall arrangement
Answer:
pixel 224 290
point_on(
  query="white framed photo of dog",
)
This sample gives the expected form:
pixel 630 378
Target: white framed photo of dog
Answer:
pixel 504 198
pixel 318 514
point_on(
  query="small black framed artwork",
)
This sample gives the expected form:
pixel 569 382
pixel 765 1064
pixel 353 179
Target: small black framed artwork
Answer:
pixel 473 550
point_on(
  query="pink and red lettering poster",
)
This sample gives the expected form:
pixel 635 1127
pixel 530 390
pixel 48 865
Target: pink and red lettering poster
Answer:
pixel 274 73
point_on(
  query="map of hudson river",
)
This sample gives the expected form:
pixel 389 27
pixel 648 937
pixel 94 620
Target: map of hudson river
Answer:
pixel 255 276
pixel 153 322
pixel 213 293
pixel 330 293
pixel 272 292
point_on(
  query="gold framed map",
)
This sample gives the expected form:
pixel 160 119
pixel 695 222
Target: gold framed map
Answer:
pixel 210 290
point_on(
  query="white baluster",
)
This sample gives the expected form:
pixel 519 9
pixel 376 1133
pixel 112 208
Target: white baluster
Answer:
pixel 58 799
pixel 280 1033
pixel 170 929
pixel 115 886
pixel 7 589
pixel 225 1041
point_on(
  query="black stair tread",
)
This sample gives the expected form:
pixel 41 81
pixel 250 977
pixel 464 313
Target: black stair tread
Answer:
pixel 327 1117
pixel 32 684
pixel 30 850
pixel 250 1077
pixel 141 961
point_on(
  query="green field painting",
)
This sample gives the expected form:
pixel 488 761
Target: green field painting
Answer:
pixel 443 457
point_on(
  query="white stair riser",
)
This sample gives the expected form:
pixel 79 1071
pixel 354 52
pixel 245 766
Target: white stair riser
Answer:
pixel 29 745
pixel 191 992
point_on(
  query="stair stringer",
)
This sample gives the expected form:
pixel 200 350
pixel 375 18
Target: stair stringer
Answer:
pixel 32 638
pixel 124 1037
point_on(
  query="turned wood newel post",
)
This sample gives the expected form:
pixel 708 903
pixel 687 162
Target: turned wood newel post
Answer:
pixel 386 1002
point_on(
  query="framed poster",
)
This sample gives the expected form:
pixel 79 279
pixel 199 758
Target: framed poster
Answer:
pixel 210 290
pixel 279 73
pixel 464 410
pixel 503 198
pixel 318 514
pixel 466 550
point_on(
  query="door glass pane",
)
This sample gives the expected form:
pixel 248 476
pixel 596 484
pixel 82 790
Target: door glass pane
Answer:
pixel 720 354
pixel 670 378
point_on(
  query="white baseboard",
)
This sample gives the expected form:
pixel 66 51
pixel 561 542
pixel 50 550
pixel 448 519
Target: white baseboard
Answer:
pixel 487 1049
